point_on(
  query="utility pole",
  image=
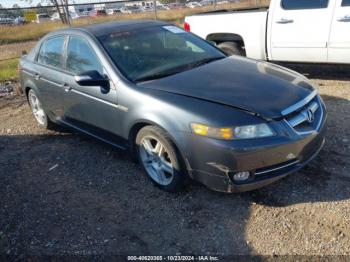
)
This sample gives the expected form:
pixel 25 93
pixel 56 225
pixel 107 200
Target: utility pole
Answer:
pixel 67 13
pixel 62 16
pixel 155 9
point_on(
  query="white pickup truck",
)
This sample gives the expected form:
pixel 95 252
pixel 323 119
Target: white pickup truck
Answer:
pixel 316 31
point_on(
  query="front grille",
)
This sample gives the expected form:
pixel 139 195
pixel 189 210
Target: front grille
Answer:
pixel 307 118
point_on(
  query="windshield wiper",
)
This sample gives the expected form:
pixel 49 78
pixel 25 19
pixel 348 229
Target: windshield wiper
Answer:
pixel 205 61
pixel 156 76
pixel 178 69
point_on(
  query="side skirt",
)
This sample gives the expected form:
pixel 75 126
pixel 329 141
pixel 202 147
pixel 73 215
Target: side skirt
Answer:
pixel 107 141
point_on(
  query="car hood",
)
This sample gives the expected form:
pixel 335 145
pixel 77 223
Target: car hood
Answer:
pixel 258 87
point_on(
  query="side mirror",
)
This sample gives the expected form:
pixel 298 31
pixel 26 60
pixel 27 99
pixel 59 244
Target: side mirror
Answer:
pixel 92 78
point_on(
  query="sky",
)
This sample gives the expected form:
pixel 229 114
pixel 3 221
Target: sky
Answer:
pixel 23 3
pixel 10 3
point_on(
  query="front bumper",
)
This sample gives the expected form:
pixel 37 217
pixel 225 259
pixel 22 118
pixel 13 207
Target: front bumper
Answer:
pixel 214 162
pixel 263 177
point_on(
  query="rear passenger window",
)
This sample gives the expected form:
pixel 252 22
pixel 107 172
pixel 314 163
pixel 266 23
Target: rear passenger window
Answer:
pixel 304 4
pixel 345 3
pixel 80 57
pixel 51 52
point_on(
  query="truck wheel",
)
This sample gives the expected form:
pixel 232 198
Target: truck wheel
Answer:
pixel 231 48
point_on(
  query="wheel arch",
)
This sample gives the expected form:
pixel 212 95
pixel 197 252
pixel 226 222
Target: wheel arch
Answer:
pixel 138 125
pixel 134 129
pixel 26 90
pixel 29 85
pixel 225 37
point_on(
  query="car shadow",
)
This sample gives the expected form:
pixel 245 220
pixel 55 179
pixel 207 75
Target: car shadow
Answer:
pixel 64 193
pixel 69 194
pixel 321 71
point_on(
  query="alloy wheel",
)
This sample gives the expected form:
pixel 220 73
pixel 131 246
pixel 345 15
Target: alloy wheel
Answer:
pixel 155 158
pixel 37 109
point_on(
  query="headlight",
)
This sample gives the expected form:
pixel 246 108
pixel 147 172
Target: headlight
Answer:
pixel 228 133
pixel 252 131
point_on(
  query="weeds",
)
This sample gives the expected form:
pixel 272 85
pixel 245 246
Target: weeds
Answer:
pixel 8 70
pixel 34 31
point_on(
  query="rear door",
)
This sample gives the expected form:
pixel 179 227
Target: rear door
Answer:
pixel 48 73
pixel 300 30
pixel 339 41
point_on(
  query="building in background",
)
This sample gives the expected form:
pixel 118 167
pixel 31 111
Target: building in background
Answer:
pixel 81 10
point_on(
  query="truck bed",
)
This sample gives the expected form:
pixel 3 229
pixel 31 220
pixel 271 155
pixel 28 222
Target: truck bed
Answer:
pixel 236 10
pixel 249 24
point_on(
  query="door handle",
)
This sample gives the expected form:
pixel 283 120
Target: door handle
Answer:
pixel 36 76
pixel 284 21
pixel 66 87
pixel 344 18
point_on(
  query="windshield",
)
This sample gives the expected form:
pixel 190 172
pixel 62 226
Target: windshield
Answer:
pixel 156 52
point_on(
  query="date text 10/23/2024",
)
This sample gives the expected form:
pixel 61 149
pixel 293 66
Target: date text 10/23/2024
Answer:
pixel 173 258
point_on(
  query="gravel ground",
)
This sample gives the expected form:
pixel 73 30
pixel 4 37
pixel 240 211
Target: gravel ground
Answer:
pixel 64 193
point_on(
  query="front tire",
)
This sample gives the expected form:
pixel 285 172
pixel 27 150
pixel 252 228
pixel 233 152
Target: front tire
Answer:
pixel 160 159
pixel 40 116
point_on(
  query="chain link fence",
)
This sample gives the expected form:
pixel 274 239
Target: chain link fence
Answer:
pixel 20 28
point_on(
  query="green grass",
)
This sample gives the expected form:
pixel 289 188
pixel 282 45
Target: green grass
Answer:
pixel 28 32
pixel 33 31
pixel 8 70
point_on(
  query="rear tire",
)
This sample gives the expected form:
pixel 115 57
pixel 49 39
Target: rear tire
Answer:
pixel 231 48
pixel 160 159
pixel 40 116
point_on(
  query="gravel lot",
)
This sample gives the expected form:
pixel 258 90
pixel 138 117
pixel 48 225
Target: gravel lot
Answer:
pixel 65 193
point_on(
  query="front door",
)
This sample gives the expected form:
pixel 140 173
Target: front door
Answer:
pixel 300 30
pixel 339 41
pixel 91 108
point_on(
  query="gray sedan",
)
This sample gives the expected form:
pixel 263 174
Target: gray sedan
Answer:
pixel 177 103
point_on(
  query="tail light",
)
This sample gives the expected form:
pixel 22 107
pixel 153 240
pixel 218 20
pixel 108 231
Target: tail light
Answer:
pixel 187 27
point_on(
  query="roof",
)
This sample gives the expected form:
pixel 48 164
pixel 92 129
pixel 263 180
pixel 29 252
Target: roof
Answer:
pixel 118 26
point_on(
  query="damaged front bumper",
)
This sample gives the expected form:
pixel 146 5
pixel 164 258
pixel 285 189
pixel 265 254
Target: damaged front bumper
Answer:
pixel 215 162
pixel 258 179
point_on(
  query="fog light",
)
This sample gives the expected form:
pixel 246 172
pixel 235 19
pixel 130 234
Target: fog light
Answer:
pixel 241 176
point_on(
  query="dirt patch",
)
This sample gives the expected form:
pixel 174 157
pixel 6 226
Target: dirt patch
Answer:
pixel 65 193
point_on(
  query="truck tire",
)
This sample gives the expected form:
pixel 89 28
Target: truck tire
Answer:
pixel 231 48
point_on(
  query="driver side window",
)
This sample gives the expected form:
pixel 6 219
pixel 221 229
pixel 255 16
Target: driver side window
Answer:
pixel 81 57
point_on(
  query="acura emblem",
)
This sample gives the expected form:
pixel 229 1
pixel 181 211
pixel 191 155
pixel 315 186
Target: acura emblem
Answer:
pixel 310 116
